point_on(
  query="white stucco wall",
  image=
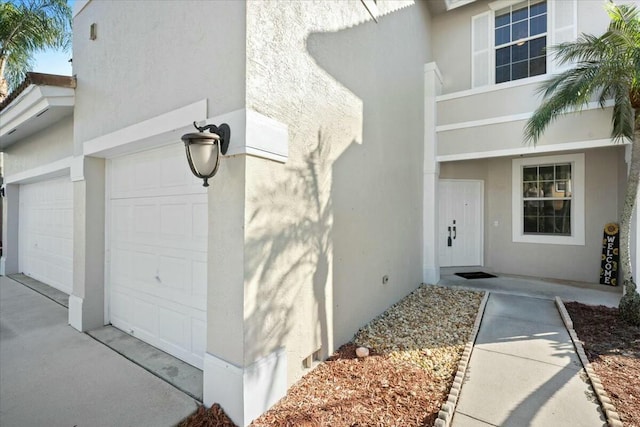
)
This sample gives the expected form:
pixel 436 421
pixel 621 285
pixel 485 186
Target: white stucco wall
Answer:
pixel 566 262
pixel 151 57
pixel 44 147
pixel 346 208
pixel 589 126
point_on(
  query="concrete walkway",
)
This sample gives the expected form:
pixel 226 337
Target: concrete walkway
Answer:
pixel 524 370
pixel 52 375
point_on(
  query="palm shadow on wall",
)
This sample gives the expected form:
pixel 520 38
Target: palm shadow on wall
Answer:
pixel 376 223
pixel 291 247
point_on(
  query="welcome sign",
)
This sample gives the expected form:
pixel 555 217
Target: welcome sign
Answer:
pixel 610 255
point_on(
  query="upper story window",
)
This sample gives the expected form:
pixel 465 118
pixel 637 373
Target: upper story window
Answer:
pixel 509 41
pixel 520 41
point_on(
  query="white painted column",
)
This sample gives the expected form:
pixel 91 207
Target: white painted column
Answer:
pixel 244 387
pixel 86 303
pixel 432 88
pixel 10 215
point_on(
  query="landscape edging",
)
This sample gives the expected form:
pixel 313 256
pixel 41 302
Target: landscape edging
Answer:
pixel 613 418
pixel 448 408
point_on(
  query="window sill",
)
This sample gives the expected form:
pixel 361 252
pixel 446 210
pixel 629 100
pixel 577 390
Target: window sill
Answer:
pixel 549 240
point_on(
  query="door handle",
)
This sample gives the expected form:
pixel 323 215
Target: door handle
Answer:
pixel 455 233
pixel 449 242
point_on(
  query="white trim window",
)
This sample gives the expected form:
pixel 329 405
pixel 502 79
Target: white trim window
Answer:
pixel 548 199
pixel 509 41
pixel 520 38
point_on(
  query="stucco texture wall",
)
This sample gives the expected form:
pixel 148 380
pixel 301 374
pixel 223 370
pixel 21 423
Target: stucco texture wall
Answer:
pixel 151 57
pixel 345 210
pixel 53 143
pixel 565 262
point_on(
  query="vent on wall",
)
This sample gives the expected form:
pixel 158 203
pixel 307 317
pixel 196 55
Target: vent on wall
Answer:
pixel 311 360
pixel 42 112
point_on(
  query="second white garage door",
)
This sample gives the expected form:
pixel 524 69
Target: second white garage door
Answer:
pixel 45 231
pixel 157 251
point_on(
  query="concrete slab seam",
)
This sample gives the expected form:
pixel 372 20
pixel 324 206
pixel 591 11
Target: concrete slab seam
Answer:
pixel 613 418
pixel 449 406
pixel 36 290
pixel 155 374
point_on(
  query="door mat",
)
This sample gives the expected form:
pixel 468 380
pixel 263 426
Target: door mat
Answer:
pixel 475 275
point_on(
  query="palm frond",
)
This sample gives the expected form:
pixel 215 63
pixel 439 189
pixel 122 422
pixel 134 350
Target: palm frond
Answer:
pixel 28 27
pixel 606 67
pixel 623 116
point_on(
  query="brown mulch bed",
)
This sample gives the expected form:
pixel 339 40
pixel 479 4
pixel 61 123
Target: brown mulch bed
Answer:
pixel 415 348
pixel 212 417
pixel 347 391
pixel 613 348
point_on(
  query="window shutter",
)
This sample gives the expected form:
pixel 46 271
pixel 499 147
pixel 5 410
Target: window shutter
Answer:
pixel 480 50
pixel 563 25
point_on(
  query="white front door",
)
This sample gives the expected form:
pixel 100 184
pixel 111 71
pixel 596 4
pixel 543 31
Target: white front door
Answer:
pixel 157 242
pixel 45 247
pixel 461 226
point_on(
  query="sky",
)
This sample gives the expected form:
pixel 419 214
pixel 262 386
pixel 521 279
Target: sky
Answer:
pixel 53 61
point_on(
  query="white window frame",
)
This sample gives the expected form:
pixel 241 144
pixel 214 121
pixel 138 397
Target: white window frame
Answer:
pixel 497 6
pixel 577 236
pixel 546 35
pixel 552 39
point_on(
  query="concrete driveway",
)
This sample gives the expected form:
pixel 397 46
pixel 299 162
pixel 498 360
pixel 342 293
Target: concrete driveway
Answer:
pixel 52 375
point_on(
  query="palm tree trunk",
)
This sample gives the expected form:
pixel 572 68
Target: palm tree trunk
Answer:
pixel 4 86
pixel 630 302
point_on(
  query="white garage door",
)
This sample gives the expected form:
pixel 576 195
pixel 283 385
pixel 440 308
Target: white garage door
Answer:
pixel 157 239
pixel 45 247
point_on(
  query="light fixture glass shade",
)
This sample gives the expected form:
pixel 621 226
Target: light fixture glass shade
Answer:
pixel 204 157
pixel 203 154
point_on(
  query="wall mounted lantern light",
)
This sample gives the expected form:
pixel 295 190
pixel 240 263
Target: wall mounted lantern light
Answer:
pixel 204 149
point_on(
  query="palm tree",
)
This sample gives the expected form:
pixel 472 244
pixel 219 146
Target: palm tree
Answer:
pixel 26 27
pixel 608 68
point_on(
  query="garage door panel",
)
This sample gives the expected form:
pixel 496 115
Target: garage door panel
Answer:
pixel 121 309
pixel 164 324
pixel 145 222
pixel 172 222
pixel 175 272
pixel 174 327
pixel 173 217
pixel 146 176
pixel 145 316
pixel 158 244
pixel 145 267
pixel 153 173
pixel 174 174
pixel 46 232
pixel 183 301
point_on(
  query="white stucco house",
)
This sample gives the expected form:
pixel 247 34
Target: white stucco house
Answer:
pixel 365 136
